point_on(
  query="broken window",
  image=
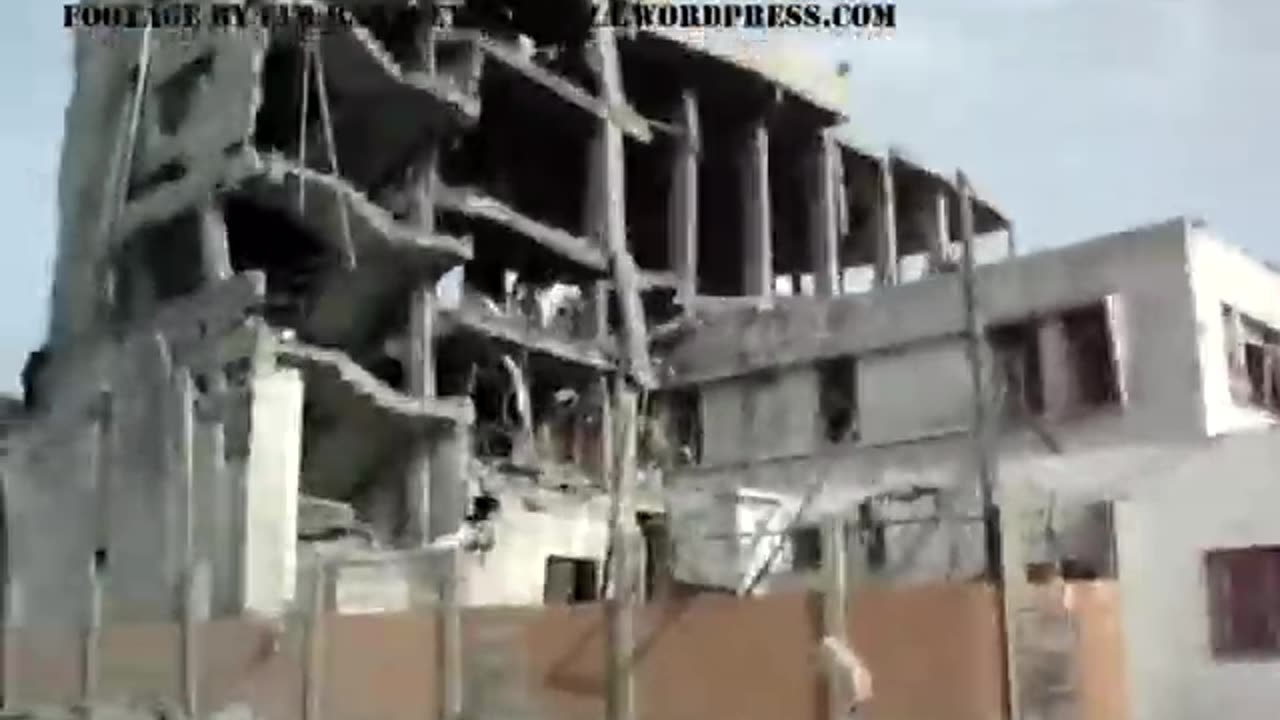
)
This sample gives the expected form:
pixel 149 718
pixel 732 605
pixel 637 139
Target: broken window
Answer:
pixel 570 581
pixel 686 422
pixel 264 238
pixel 1092 355
pixel 838 399
pixel 1016 357
pixel 806 548
pixel 1253 359
pixel 872 531
pixel 1244 601
pixel 1059 364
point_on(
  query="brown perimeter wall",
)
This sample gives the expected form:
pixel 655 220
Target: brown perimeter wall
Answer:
pixel 934 653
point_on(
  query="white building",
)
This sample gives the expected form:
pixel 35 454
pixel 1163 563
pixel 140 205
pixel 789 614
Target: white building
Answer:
pixel 1121 364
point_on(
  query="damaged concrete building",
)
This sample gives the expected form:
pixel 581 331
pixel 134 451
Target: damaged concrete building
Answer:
pixel 328 295
pixel 336 296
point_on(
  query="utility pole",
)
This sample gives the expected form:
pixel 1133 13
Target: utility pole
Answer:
pixel 999 572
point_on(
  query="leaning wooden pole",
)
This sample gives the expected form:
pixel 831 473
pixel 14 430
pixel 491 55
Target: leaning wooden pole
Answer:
pixel 619 638
pixel 608 220
pixel 835 593
pixel 984 446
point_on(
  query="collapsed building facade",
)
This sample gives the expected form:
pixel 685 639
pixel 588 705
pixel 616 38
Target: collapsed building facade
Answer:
pixel 338 296
pixel 333 294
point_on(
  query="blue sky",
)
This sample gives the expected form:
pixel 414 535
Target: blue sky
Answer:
pixel 1076 116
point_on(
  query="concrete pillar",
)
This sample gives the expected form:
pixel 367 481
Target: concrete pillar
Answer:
pixel 421 370
pixel 757 267
pixel 683 231
pixel 886 227
pixel 1057 384
pixel 214 250
pixel 270 491
pixel 824 218
pixel 937 226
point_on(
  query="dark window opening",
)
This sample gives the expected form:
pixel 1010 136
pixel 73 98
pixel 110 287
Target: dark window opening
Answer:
pixel 806 548
pixel 277 122
pixel 170 172
pixel 1091 349
pixel 838 399
pixel 158 263
pixel 658 573
pixel 686 426
pixel 872 531
pixel 483 507
pixel 1016 356
pixel 1078 372
pixel 1244 602
pixel 1253 360
pixel 570 581
pixel 262 238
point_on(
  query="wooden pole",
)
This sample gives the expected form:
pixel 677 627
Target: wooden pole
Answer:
pixel 984 440
pixel 91 638
pixel 835 593
pixel 314 670
pixel 12 643
pixel 619 638
pixel 609 216
pixel 195 610
pixel 449 461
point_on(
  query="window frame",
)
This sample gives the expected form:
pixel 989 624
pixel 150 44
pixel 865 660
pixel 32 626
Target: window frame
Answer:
pixel 1243 599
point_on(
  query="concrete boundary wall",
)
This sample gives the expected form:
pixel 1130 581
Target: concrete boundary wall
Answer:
pixel 934 653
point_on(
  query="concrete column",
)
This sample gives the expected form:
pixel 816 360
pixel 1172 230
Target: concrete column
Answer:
pixel 757 267
pixel 421 370
pixel 270 491
pixel 937 226
pixel 1057 384
pixel 824 218
pixel 214 250
pixel 886 227
pixel 683 230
